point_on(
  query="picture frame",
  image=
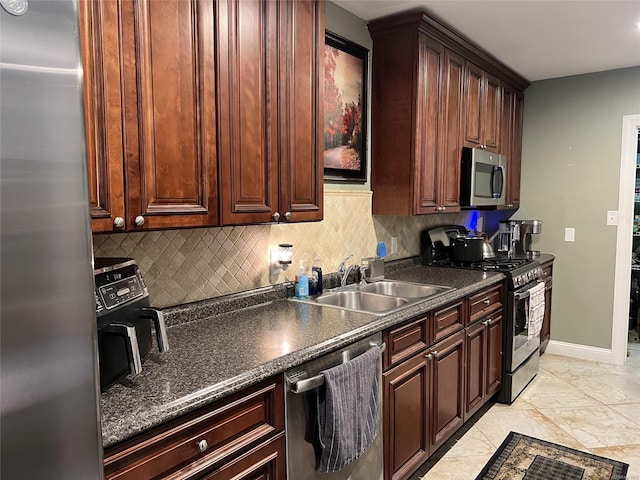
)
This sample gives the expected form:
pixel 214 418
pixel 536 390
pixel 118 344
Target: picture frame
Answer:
pixel 345 114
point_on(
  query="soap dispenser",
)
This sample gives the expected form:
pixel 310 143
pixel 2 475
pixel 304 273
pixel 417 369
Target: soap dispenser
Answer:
pixel 302 281
pixel 315 282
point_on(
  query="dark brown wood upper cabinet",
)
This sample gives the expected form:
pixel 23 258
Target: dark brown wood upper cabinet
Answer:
pixel 433 92
pixel 151 113
pixel 203 113
pixel 416 120
pixel 269 71
pixel 100 39
pixel 483 99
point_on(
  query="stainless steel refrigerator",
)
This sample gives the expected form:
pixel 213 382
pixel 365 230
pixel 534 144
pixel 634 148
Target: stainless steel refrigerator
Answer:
pixel 48 390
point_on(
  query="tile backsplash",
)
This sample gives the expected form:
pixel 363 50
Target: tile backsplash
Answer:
pixel 186 265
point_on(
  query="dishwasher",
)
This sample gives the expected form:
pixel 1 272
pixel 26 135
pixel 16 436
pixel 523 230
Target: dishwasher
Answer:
pixel 299 383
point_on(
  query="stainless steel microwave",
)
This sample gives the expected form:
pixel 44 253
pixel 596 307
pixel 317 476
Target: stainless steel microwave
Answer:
pixel 482 178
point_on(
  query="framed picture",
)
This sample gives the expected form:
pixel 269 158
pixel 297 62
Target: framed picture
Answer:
pixel 345 110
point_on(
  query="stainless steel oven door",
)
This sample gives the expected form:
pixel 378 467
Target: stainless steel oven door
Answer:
pixel 521 346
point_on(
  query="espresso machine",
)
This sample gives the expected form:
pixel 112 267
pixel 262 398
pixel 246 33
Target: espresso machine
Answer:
pixel 514 237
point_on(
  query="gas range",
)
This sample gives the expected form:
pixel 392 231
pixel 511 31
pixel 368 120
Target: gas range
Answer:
pixel 519 270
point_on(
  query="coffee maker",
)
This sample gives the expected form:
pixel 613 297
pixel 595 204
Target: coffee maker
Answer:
pixel 514 237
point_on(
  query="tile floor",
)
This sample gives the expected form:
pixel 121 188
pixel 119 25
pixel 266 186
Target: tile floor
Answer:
pixel 581 404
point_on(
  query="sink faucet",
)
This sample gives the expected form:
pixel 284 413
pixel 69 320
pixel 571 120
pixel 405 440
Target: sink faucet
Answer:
pixel 345 271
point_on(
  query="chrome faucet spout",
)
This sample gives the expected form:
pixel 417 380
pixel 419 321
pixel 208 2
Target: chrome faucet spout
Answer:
pixel 345 275
pixel 345 271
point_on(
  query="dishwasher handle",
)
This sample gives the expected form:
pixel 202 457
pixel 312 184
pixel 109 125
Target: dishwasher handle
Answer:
pixel 316 381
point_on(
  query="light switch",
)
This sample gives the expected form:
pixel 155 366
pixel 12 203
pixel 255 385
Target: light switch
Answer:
pixel 612 217
pixel 569 234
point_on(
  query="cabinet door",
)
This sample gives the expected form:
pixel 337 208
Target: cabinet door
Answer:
pixel 406 390
pixel 473 101
pixel 247 56
pixel 476 339
pixel 100 42
pixel 169 113
pixel 483 99
pixel 494 353
pixel 265 462
pixel 301 105
pixel 492 115
pixel 426 181
pixel 451 136
pixel 447 401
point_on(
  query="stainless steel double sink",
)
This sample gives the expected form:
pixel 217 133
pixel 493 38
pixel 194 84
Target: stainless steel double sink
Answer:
pixel 378 298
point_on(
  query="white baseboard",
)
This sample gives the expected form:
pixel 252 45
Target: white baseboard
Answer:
pixel 583 352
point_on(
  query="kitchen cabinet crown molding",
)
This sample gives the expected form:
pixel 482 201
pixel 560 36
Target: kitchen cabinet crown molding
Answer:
pixel 428 24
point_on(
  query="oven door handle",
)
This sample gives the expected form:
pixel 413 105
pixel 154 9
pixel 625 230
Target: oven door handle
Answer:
pixel 311 383
pixel 527 292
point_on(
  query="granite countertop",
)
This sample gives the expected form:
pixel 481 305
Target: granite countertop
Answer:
pixel 214 354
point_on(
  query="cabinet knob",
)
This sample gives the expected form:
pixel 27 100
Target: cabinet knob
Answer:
pixel 487 322
pixel 276 216
pixel 118 222
pixel 139 220
pixel 202 445
pixel 486 301
pixel 428 356
pixel 287 216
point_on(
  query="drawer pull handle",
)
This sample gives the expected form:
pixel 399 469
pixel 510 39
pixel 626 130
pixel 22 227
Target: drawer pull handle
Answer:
pixel 486 301
pixel 203 445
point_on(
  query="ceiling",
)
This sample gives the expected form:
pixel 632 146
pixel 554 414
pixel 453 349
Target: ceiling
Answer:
pixel 539 39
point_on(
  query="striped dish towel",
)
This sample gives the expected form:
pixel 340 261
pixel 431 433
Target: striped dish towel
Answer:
pixel 535 314
pixel 349 410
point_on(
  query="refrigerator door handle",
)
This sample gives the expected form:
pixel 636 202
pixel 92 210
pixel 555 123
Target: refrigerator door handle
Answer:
pixel 158 322
pixel 133 351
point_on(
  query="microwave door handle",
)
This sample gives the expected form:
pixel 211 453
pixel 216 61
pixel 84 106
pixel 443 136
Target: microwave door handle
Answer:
pixel 161 330
pixel 493 182
pixel 131 339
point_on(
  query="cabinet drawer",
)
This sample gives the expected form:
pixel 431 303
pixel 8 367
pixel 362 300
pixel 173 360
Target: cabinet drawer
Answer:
pixel 447 320
pixel 485 302
pixel 263 462
pixel 199 440
pixel 405 341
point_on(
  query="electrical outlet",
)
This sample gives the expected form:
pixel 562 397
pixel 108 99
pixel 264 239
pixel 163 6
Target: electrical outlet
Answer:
pixel 569 234
pixel 394 245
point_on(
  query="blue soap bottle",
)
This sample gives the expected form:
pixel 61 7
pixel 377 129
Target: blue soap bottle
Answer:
pixel 302 281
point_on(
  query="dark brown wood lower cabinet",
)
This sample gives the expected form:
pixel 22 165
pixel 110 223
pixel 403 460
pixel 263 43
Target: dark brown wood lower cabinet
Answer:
pixel 406 390
pixel 239 437
pixel 483 361
pixel 265 462
pixel 447 394
pixel 423 405
pixel 545 333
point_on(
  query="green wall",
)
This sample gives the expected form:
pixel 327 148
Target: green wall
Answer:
pixel 570 178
